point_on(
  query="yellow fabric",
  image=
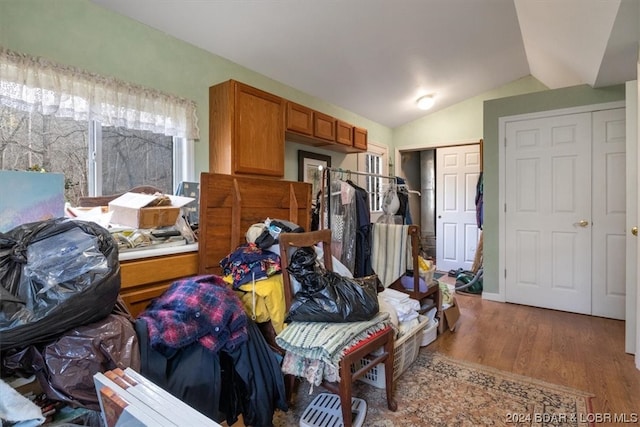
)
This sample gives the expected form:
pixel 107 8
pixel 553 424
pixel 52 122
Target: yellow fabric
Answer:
pixel 269 300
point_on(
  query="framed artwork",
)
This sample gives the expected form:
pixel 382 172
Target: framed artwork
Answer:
pixel 310 167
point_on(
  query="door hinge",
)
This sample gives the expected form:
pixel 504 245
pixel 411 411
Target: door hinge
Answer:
pixel 505 273
pixel 505 208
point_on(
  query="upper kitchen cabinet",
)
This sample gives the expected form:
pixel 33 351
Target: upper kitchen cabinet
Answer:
pixel 246 130
pixel 310 127
pixel 324 127
pixel 299 119
pixel 344 133
pixel 360 137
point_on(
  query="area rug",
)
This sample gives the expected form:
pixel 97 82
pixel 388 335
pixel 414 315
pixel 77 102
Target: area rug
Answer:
pixel 437 275
pixel 439 391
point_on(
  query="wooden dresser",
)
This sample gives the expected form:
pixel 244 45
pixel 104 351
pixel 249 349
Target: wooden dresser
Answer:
pixel 143 279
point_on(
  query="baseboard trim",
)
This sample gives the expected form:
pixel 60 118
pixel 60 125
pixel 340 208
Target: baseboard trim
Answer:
pixel 492 297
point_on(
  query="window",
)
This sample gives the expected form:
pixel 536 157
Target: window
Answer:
pixel 374 183
pixel 106 136
pixel 374 161
pixel 95 159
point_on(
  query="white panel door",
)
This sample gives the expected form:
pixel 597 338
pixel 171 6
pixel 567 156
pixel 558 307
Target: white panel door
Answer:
pixel 609 214
pixel 457 233
pixel 548 212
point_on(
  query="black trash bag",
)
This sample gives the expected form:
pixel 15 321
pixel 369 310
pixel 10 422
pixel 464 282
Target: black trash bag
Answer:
pixel 65 367
pixel 55 275
pixel 326 296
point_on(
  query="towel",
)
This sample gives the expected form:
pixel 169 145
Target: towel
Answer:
pixel 390 251
pixel 327 342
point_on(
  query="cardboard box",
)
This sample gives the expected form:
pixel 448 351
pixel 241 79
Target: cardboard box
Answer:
pixel 131 210
pixel 451 315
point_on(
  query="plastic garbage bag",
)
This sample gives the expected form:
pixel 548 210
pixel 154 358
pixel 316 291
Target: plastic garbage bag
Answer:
pixel 65 367
pixel 55 275
pixel 325 296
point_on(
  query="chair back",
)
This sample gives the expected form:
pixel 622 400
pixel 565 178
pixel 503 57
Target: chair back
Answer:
pixel 289 242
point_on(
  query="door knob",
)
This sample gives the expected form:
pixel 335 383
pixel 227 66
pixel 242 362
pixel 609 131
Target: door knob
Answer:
pixel 634 231
pixel 582 223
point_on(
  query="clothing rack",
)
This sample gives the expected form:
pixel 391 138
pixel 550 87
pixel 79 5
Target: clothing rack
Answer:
pixel 326 177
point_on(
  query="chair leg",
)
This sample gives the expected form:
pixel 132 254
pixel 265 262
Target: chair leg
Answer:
pixel 345 391
pixel 388 373
pixel 290 388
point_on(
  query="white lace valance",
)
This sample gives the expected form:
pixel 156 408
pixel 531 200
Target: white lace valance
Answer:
pixel 37 85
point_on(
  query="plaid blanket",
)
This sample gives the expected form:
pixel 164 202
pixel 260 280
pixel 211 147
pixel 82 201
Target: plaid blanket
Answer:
pixel 325 343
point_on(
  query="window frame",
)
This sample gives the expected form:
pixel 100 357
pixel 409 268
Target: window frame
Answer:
pixel 381 152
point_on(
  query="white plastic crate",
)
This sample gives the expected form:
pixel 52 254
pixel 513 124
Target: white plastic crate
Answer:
pixel 430 333
pixel 405 352
pixel 326 410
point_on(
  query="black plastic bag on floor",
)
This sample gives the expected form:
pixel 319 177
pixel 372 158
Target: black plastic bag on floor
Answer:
pixel 55 275
pixel 326 296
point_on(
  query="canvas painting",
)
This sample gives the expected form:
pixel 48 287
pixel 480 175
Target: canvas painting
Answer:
pixel 29 197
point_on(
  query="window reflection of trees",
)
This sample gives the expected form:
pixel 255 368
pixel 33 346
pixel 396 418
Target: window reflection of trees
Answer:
pixel 31 141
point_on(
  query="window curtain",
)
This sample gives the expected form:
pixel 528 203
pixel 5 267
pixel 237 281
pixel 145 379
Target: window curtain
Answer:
pixel 35 84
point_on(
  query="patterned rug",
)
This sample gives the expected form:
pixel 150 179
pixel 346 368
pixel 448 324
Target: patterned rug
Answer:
pixel 438 391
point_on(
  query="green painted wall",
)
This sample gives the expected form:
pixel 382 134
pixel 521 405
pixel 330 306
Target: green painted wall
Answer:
pixel 460 122
pixel 81 34
pixel 494 109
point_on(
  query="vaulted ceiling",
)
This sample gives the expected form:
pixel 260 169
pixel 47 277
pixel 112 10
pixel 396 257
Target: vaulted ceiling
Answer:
pixel 375 57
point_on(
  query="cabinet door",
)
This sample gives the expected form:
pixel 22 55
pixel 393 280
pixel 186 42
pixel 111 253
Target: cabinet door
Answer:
pixel 259 132
pixel 360 138
pixel 299 119
pixel 324 126
pixel 344 133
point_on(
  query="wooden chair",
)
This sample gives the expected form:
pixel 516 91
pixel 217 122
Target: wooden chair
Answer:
pixel 384 339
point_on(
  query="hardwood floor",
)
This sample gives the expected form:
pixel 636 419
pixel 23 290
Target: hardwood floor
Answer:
pixel 572 350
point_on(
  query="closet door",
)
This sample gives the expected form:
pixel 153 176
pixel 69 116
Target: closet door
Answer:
pixel 609 214
pixel 548 212
pixel 457 233
pixel 565 212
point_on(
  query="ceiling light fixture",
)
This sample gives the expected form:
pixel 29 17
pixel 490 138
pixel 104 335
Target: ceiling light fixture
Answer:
pixel 425 102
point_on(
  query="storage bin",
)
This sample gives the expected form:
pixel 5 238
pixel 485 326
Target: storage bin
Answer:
pixel 326 410
pixel 406 350
pixel 430 333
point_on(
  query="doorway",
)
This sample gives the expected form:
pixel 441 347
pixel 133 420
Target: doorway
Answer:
pixel 446 177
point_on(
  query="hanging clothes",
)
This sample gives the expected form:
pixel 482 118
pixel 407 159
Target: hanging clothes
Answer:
pixel 362 265
pixel 340 217
pixel 479 201
pixel 403 197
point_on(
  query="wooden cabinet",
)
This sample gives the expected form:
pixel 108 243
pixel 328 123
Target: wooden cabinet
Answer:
pixel 145 279
pixel 307 126
pixel 360 137
pixel 299 119
pixel 344 133
pixel 246 130
pixel 324 127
